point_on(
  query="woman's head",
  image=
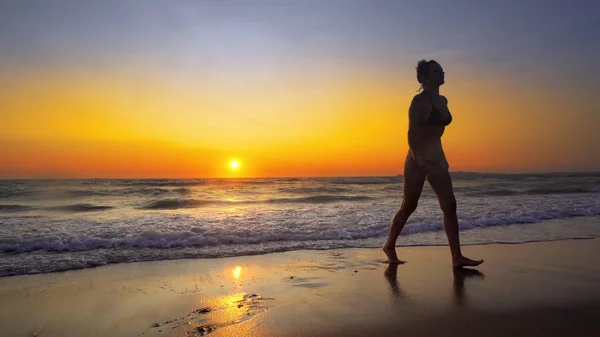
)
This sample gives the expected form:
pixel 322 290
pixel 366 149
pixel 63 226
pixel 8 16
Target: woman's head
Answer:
pixel 430 74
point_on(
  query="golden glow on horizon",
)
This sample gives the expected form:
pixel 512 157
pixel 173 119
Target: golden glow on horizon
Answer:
pixel 349 123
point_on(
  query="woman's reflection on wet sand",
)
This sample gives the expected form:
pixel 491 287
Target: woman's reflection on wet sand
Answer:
pixel 459 277
pixel 391 275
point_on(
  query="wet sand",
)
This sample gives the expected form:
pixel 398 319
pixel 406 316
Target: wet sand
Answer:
pixel 532 289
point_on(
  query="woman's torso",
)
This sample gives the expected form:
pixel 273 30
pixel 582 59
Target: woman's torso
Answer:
pixel 433 127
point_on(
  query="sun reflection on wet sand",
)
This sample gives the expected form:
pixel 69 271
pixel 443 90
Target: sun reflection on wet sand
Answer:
pixel 237 272
pixel 220 312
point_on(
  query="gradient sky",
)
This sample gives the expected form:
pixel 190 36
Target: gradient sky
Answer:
pixel 292 88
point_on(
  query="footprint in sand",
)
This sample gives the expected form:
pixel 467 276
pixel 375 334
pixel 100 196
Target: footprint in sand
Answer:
pixel 225 311
pixel 305 282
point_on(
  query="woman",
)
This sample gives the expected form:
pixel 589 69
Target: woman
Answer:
pixel 428 118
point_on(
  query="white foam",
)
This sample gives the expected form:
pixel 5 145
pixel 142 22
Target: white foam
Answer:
pixel 359 216
pixel 161 231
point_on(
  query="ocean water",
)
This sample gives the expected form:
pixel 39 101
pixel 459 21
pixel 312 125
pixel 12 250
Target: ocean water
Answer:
pixel 57 225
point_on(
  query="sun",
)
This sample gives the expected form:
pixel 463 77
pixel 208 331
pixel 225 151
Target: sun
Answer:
pixel 234 164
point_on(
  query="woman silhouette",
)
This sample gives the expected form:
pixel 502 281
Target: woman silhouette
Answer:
pixel 428 117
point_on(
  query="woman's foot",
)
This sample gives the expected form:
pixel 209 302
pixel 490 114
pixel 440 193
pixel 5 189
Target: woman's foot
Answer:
pixel 465 262
pixel 391 255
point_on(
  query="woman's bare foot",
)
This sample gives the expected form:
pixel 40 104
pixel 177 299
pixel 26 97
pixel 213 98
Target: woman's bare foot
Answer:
pixel 465 262
pixel 391 254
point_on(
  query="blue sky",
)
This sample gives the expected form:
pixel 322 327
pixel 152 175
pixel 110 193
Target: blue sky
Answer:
pixel 522 34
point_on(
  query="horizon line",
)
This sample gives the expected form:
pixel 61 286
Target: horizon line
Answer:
pixel 300 177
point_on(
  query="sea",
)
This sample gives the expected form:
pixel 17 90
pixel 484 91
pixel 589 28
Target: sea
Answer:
pixel 58 225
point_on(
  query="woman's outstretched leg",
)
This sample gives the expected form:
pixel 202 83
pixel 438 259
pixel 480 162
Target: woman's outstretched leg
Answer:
pixel 441 182
pixel 414 179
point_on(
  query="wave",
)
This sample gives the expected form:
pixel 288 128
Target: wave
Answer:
pixel 14 208
pixel 502 192
pixel 88 193
pixel 522 176
pixel 558 190
pixel 312 190
pixel 320 199
pixel 79 208
pixel 149 239
pixel 163 183
pixel 195 203
pixel 143 191
pixel 365 181
pixel 532 191
pixel 7 192
pixel 177 203
pixel 200 237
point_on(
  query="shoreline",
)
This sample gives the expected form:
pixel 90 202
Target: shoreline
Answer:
pixel 382 239
pixel 548 286
pixel 299 250
pixel 43 262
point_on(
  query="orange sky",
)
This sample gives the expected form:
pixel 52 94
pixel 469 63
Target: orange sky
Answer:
pixel 183 93
pixel 299 124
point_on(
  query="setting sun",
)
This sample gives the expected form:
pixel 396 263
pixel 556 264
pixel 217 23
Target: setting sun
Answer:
pixel 234 164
